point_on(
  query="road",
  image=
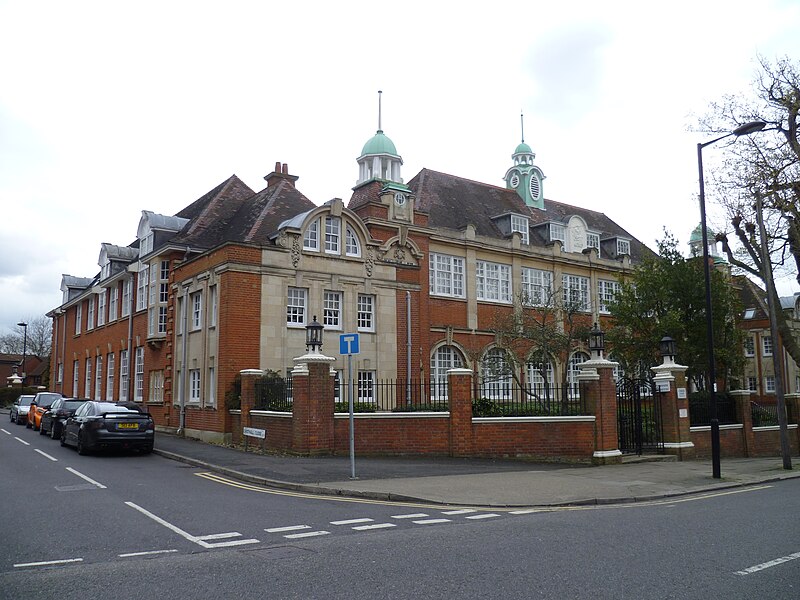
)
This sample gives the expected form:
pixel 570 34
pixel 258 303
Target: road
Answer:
pixel 127 526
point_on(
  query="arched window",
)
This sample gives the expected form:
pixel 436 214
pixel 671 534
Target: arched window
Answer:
pixel 352 246
pixel 444 358
pixel 541 379
pixel 496 374
pixel 573 370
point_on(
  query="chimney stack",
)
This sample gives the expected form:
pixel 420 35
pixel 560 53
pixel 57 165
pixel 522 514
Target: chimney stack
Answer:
pixel 281 173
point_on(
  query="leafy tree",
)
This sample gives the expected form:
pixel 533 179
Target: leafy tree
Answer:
pixel 666 296
pixel 39 339
pixel 766 163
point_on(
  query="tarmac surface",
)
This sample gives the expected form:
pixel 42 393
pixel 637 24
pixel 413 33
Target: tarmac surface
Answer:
pixel 477 482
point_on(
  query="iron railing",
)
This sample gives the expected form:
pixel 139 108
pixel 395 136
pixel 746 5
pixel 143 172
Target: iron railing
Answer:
pixel 388 395
pixel 273 394
pixel 508 399
pixel 700 411
pixel 764 415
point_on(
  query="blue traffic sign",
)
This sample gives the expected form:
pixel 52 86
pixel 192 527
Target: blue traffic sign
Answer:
pixel 348 343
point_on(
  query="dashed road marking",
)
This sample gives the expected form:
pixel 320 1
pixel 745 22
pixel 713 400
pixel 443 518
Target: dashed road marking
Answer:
pixel 352 521
pixel 296 536
pixel 483 516
pixel 46 455
pixel 148 553
pixel 411 516
pixel 375 526
pixel 5 431
pixel 289 528
pixel 21 440
pixel 84 477
pixel 767 565
pixel 431 521
pixel 220 536
pixel 461 511
pixel 45 563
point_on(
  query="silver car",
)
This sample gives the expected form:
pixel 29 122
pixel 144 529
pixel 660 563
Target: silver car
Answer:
pixel 20 408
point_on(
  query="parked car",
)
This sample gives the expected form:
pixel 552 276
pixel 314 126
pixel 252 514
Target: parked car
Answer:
pixel 97 425
pixel 20 408
pixel 41 403
pixel 53 420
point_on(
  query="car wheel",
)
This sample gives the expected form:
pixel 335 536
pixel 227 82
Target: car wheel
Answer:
pixel 82 449
pixel 53 435
pixel 42 430
pixel 63 438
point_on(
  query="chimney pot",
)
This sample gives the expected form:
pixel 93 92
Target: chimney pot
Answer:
pixel 285 169
pixel 278 167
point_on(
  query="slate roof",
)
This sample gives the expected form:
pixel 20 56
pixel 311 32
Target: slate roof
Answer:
pixel 454 202
pixel 751 296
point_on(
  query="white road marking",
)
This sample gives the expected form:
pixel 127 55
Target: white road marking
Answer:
pixel 49 562
pixel 82 476
pixel 411 516
pixel 462 511
pixel 352 521
pixel 290 528
pixel 129 554
pixel 527 511
pixel 483 516
pixel 21 440
pixel 431 521
pixel 4 431
pixel 375 526
pixel 767 565
pixel 188 536
pixel 297 536
pixel 219 536
pixel 46 455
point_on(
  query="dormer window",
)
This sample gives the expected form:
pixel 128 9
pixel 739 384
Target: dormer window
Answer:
pixel 105 270
pixel 352 247
pixel 311 237
pixel 593 241
pixel 623 247
pixel 146 244
pixel 333 228
pixel 558 232
pixel 520 224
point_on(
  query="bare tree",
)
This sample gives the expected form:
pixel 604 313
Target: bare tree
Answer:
pixel 39 338
pixel 767 163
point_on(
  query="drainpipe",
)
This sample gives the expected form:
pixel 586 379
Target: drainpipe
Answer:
pixel 408 347
pixel 63 322
pixel 131 367
pixel 184 359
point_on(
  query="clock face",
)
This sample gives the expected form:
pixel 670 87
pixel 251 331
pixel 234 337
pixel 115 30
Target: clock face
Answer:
pixel 400 198
pixel 514 181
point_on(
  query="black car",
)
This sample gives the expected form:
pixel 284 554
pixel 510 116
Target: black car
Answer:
pixel 53 420
pixel 97 425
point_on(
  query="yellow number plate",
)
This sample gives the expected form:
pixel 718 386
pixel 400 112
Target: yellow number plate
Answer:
pixel 127 426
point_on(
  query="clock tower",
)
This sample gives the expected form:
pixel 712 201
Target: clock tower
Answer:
pixel 524 177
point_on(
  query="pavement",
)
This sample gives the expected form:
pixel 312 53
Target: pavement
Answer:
pixel 477 482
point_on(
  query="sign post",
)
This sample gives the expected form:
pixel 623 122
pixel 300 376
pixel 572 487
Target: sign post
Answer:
pixel 348 344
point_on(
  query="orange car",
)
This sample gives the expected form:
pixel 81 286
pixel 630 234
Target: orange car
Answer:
pixel 40 404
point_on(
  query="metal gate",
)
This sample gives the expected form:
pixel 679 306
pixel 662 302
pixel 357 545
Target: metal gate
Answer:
pixel 639 417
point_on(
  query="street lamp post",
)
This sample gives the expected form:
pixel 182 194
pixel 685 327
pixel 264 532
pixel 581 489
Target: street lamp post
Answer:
pixel 745 129
pixel 24 326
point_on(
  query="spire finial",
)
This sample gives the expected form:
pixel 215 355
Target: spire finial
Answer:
pixel 522 126
pixel 379 110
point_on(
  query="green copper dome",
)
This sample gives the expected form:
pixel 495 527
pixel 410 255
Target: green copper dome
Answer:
pixel 523 148
pixel 379 144
pixel 697 235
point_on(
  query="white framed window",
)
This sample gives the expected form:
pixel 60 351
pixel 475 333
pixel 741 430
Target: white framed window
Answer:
pixel 156 391
pixel 113 300
pixel 446 275
pixel 213 305
pixel 146 244
pixel 366 386
pixel 87 382
pixel 127 286
pixel 749 313
pixel 606 292
pixel 442 360
pixel 197 310
pixel 493 281
pixel 541 378
pixel 366 312
pixel 333 233
pixel 162 319
pixel 101 307
pixel 496 374
pixel 752 384
pixel 163 275
pixel 141 287
pixel 623 247
pixel 110 377
pixel 766 345
pixel 352 247
pixel 749 346
pixel 593 241
pixel 90 314
pixel 332 310
pixel 153 290
pixel 576 291
pixel 769 384
pixel 194 385
pixel 75 367
pixel 105 270
pixel 138 375
pixel 123 375
pixel 296 301
pixel 558 232
pixel 573 370
pixel 78 311
pixel 520 224
pixel 98 378
pixel 311 236
pixel 211 388
pixel 537 287
pixel 60 373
